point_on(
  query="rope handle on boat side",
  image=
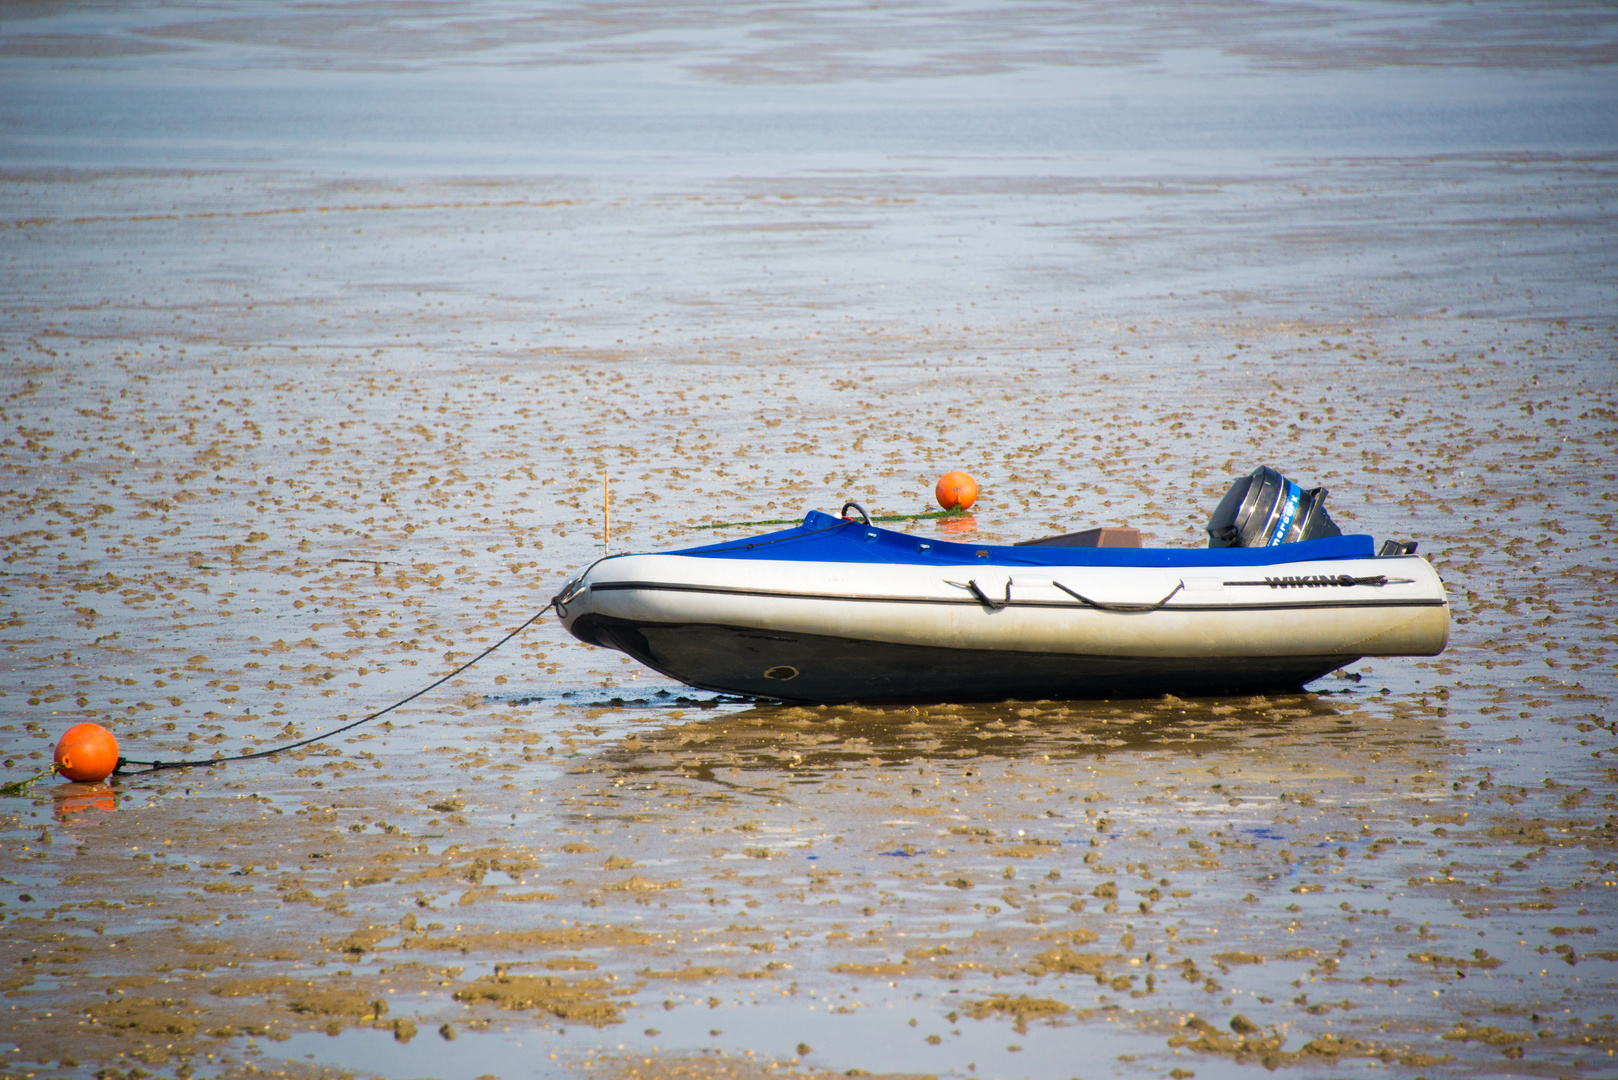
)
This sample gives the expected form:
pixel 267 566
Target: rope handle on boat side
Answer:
pixel 851 503
pixel 988 601
pixel 1125 609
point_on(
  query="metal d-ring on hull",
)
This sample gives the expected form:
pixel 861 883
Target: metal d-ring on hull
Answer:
pixel 817 668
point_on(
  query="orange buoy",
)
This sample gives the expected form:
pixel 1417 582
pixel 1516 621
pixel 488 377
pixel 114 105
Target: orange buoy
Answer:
pixel 956 491
pixel 86 752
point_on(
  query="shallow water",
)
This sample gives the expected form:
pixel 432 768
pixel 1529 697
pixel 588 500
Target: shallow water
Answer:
pixel 322 327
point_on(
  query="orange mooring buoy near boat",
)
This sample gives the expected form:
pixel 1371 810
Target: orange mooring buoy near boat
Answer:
pixel 956 491
pixel 86 752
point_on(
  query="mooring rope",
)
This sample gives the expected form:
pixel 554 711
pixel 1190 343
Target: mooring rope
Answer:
pixel 195 763
pixel 558 602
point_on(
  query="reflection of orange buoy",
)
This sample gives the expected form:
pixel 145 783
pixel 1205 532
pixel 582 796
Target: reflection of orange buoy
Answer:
pixel 958 526
pixel 956 491
pixel 86 752
pixel 71 800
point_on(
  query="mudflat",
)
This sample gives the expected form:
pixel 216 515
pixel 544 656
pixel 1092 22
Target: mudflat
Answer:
pixel 322 331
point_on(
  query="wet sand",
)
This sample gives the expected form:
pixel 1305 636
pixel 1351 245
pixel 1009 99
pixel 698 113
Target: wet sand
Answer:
pixel 289 434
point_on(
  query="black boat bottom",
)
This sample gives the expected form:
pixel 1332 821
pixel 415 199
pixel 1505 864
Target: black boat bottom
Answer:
pixel 814 668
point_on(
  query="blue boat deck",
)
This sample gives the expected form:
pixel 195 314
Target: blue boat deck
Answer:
pixel 823 537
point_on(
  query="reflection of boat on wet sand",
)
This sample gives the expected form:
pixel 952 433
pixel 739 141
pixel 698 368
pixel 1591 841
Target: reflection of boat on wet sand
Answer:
pixel 837 610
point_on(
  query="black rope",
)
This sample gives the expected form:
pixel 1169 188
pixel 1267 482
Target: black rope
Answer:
pixel 988 601
pixel 194 763
pixel 561 600
pixel 556 602
pixel 1127 609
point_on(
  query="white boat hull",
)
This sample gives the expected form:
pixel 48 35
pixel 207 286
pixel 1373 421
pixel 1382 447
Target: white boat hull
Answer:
pixel 825 631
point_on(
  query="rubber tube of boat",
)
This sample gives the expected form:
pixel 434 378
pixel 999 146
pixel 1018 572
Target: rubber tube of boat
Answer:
pixel 1264 508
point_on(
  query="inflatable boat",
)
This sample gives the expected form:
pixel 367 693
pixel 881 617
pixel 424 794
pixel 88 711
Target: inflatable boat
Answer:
pixel 839 609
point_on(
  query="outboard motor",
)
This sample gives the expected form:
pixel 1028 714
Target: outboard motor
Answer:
pixel 1264 508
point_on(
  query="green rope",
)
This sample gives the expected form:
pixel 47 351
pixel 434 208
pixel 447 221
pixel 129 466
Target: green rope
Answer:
pixel 926 516
pixel 738 524
pixel 26 787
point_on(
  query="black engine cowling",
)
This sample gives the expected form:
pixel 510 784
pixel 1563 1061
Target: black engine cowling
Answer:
pixel 1264 508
